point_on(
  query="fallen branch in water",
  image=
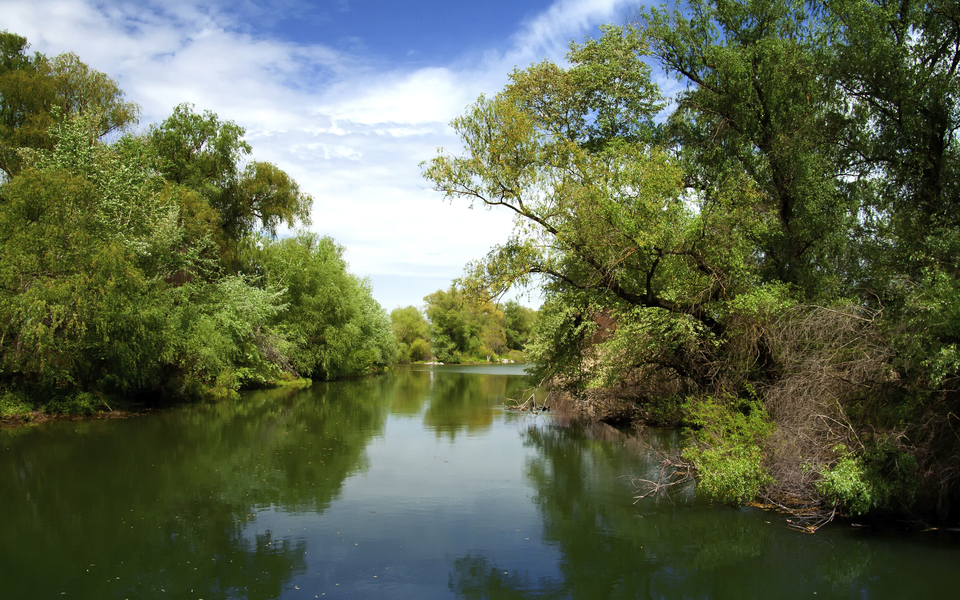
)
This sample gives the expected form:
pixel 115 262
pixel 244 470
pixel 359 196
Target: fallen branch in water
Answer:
pixel 530 404
pixel 674 471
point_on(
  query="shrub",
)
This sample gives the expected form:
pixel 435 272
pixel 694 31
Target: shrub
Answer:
pixel 872 480
pixel 13 403
pixel 727 437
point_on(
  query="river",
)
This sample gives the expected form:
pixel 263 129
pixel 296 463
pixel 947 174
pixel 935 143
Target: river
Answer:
pixel 415 484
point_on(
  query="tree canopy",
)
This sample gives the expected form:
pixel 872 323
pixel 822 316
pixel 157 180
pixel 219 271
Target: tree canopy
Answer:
pixel 147 265
pixel 36 91
pixel 205 155
pixel 775 243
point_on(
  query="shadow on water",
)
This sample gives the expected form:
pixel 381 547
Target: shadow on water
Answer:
pixel 681 547
pixel 158 506
pixel 166 505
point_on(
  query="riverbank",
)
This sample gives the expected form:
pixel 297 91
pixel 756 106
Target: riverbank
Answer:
pixel 17 410
pixel 37 417
pixel 743 444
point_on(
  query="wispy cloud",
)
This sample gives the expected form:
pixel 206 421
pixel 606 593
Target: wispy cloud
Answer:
pixel 549 34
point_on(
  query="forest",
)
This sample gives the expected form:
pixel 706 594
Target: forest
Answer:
pixel 767 257
pixel 146 266
pixel 457 327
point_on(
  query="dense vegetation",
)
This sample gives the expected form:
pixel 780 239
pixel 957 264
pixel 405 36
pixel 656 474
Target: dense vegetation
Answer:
pixel 770 256
pixel 460 327
pixel 146 265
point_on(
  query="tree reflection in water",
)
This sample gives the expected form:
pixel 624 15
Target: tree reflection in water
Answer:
pixel 287 491
pixel 679 547
pixel 166 506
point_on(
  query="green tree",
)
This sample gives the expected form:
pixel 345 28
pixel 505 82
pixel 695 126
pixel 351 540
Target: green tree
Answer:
pixel 758 105
pixel 463 327
pixel 111 278
pixel 608 224
pixel 332 324
pixel 204 154
pixel 898 64
pixel 518 324
pixel 87 239
pixel 36 91
pixel 669 252
pixel 412 331
pixel 93 300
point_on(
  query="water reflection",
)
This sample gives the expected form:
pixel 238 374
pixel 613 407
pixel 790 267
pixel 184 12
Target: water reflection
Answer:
pixel 169 503
pixel 463 402
pixel 162 501
pixel 681 548
pixel 475 578
pixel 414 484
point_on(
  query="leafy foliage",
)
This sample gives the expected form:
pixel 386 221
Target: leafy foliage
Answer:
pixel 333 325
pixel 112 279
pixel 518 324
pixel 412 331
pixel 728 438
pixel 36 92
pixel 869 481
pixel 785 236
pixel 463 328
pixel 203 154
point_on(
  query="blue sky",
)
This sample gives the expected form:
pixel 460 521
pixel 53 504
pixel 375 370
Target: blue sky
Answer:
pixel 348 96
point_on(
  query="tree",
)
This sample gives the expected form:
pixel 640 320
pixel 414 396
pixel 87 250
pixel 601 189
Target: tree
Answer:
pixel 464 327
pixel 518 324
pixel 86 239
pixel 36 91
pixel 204 154
pixel 683 261
pixel 110 281
pixel 758 105
pixel 899 63
pixel 332 324
pixel 605 219
pixel 412 332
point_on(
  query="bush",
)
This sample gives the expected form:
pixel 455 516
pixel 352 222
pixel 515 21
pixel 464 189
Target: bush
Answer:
pixel 419 350
pixel 846 483
pixel 13 403
pixel 873 480
pixel 727 438
pixel 79 403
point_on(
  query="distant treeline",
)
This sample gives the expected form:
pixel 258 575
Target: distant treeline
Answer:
pixel 457 327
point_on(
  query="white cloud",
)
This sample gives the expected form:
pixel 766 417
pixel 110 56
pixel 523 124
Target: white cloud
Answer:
pixel 550 33
pixel 422 96
pixel 350 131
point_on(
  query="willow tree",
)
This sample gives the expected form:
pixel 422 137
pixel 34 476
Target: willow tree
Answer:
pixel 36 90
pixel 603 214
pixel 206 155
pixel 90 300
pixel 332 326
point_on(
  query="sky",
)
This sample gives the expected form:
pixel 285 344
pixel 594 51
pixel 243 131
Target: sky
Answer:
pixel 347 96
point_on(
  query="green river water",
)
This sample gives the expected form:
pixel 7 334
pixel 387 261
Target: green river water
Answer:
pixel 416 484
